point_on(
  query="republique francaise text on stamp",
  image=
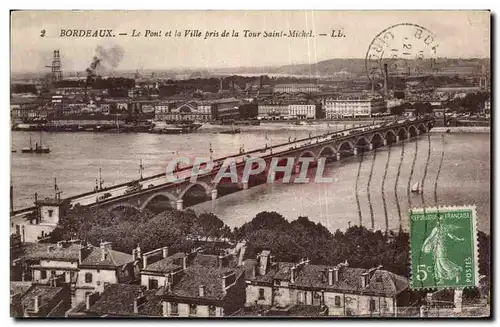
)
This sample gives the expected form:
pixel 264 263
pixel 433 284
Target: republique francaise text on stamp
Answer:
pixel 443 244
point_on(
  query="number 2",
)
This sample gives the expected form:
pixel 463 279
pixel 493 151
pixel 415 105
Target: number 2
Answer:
pixel 42 33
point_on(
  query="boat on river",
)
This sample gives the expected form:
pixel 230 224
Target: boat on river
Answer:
pixel 39 148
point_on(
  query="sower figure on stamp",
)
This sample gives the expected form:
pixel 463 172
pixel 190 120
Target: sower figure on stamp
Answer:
pixel 437 243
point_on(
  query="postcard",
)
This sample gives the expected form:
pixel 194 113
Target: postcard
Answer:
pixel 250 164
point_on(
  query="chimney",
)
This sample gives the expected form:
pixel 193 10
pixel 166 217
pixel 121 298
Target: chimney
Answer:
pixel 138 302
pixel 138 251
pixel 263 262
pixel 336 271
pixel 50 248
pixel 386 77
pixel 254 271
pixel 106 245
pixel 292 274
pixel 144 261
pixel 365 279
pixel 104 254
pixel 184 262
pixel 220 259
pixel 90 299
pixel 202 290
pixel 134 254
pixel 37 301
pixel 165 251
pixel 330 277
pixel 164 306
pixel 225 283
pixel 81 254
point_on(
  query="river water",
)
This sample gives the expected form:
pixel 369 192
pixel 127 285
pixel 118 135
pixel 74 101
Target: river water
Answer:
pixel 75 160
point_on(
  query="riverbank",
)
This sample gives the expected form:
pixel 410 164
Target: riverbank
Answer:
pixel 462 129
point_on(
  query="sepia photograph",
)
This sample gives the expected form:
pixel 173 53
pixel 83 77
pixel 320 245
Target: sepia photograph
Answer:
pixel 250 164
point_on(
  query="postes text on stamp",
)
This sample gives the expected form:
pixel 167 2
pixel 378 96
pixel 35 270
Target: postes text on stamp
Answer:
pixel 443 244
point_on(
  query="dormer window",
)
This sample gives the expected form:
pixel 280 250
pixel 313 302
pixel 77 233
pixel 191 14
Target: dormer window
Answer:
pixel 51 212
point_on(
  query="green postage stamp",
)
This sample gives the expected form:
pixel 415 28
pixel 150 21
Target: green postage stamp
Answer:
pixel 443 244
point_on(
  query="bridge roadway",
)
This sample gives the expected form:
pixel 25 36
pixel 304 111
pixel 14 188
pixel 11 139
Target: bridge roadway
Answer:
pixel 184 173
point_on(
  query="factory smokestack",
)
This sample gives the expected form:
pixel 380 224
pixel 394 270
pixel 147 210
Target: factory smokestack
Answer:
pixel 386 77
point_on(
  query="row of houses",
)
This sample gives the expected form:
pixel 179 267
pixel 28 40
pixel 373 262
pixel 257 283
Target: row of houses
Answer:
pixel 77 280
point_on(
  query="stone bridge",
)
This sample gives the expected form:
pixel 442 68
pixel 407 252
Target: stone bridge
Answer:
pixel 333 146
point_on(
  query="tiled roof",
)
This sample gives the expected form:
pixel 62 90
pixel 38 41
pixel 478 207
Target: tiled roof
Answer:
pixel 210 260
pixel 350 279
pixel 113 258
pixel 209 277
pixel 166 264
pixel 118 299
pixel 19 287
pixel 278 270
pixel 46 292
pixel 39 251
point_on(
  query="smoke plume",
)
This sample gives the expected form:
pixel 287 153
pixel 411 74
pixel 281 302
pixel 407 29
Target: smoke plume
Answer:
pixel 104 59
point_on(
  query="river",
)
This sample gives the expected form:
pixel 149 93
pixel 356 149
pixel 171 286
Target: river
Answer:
pixel 75 160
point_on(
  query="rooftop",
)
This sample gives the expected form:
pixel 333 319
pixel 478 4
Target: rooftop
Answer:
pixel 40 251
pixel 167 264
pixel 45 292
pixel 118 300
pixel 350 279
pixel 112 258
pixel 19 288
pixel 195 276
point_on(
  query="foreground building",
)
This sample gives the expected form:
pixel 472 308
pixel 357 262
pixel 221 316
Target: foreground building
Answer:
pixel 193 284
pixel 85 268
pixel 342 290
pixel 37 300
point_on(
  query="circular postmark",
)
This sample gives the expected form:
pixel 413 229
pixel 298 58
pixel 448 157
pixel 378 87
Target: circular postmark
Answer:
pixel 403 51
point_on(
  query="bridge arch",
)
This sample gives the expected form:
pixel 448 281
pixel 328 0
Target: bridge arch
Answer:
pixel 328 150
pixel 306 153
pixel 402 133
pixel 155 196
pixel 390 136
pixel 345 148
pixel 377 140
pixel 412 131
pixel 123 205
pixel 422 129
pixel 362 144
pixel 203 184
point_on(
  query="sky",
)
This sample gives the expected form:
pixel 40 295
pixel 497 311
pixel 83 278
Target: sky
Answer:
pixel 460 34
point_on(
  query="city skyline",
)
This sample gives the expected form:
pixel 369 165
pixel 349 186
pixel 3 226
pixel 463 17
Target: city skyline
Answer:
pixel 30 52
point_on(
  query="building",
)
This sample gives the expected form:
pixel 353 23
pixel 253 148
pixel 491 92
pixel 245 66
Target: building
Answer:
pixel 225 109
pixel 196 284
pixel 85 268
pixel 302 111
pixel 187 111
pixel 270 110
pixel 39 300
pixel 343 290
pixel 100 266
pixel 487 107
pixel 353 107
pixel 122 300
pixel 24 109
pixel 296 88
pixel 210 286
